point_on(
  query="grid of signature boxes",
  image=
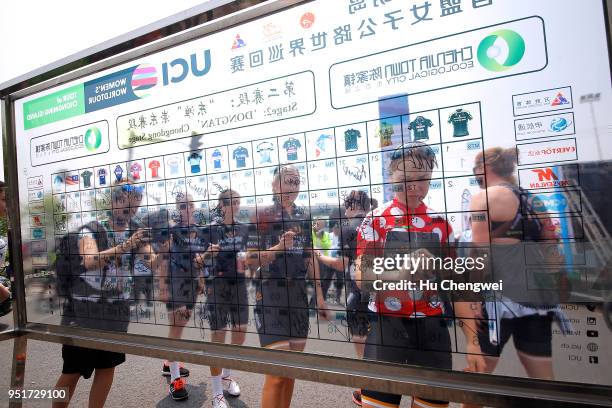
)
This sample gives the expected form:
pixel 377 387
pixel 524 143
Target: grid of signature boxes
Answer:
pixel 331 163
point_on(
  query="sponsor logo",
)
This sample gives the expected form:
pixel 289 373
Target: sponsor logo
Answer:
pixel 547 177
pixel 559 124
pixel 271 32
pixel 559 100
pixel 393 303
pixel 184 67
pixel 93 139
pixel 35 182
pixel 307 20
pixel 553 203
pixel 143 79
pixel 238 43
pixel 501 50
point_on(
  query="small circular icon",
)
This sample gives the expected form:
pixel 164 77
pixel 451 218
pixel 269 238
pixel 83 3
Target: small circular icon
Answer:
pixel 93 139
pixel 592 347
pixel 307 20
pixel 143 79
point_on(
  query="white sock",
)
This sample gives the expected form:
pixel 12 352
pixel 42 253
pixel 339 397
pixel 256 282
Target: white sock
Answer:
pixel 226 372
pixel 217 385
pixel 175 371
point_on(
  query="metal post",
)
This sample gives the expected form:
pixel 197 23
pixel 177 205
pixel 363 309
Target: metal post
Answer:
pixel 14 221
pixel 18 367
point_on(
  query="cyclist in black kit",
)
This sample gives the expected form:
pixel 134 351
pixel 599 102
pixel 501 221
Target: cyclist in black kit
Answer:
pixel 285 262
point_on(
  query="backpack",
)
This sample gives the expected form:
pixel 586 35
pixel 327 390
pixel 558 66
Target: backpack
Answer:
pixel 530 285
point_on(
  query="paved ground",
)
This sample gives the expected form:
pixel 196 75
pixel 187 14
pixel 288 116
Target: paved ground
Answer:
pixel 138 383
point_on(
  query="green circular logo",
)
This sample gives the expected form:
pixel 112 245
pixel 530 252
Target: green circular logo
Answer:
pixel 492 48
pixel 93 139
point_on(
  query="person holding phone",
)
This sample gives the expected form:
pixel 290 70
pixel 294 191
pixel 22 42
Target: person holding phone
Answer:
pixel 226 290
pixel 356 206
pixel 181 282
pixel 98 285
pixel 283 264
pixel 409 327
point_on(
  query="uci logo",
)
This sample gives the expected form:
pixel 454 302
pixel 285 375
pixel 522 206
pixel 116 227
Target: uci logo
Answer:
pixel 177 70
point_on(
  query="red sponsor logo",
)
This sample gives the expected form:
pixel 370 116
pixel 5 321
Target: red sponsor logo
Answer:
pixel 545 174
pixel 307 20
pixel 547 178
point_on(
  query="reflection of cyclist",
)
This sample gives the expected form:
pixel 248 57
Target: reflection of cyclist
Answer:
pixel 180 285
pixel 95 288
pixel 285 262
pixel 508 224
pixel 226 291
pixel 357 205
pixel 410 327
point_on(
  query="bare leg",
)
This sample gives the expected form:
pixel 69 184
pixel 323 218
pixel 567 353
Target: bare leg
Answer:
pixel 491 365
pixel 296 345
pixel 217 336
pixel 238 336
pixel 359 343
pixel 101 385
pixel 176 330
pixel 273 392
pixel 66 380
pixel 537 367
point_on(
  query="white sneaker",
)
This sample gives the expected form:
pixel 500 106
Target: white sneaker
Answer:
pixel 219 401
pixel 231 386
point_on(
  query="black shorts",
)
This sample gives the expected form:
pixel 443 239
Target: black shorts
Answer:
pixel 282 313
pixel 172 306
pixel 421 341
pixel 358 317
pixel 83 361
pixel 110 315
pixel 531 335
pixel 184 290
pixel 143 284
pixel 227 303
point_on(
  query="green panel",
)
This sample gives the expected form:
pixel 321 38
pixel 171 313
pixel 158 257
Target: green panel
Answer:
pixel 50 108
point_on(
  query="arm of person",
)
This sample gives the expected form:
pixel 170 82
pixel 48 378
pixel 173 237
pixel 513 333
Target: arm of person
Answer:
pixel 261 259
pixel 314 273
pixel 160 266
pixel 480 219
pixel 88 248
pixel 337 263
pixel 468 315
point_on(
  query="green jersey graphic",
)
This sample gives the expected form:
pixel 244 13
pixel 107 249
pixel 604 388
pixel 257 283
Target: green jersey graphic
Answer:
pixel 460 119
pixel 350 140
pixel 420 128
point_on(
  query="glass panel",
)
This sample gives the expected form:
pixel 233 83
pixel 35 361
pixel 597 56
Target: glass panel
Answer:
pixel 427 181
